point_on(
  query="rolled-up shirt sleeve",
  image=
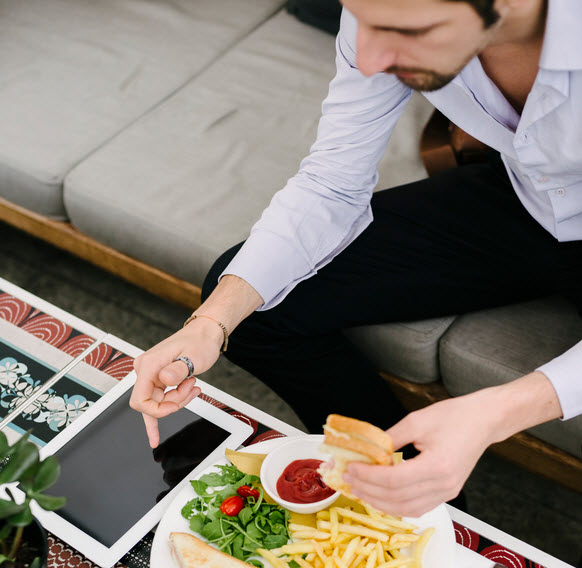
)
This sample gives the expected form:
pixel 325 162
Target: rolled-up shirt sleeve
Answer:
pixel 326 205
pixel 565 374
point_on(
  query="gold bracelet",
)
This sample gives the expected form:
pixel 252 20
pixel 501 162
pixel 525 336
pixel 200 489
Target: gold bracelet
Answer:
pixel 222 326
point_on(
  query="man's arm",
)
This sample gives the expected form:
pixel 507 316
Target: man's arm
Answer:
pixel 326 205
pixel 451 436
pixel 319 212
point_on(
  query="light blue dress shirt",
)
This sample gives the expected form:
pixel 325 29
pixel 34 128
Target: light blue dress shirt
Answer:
pixel 326 205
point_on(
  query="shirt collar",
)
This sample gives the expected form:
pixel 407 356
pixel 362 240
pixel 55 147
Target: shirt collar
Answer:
pixel 562 48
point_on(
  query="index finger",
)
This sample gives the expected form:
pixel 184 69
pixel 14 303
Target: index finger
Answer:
pixel 152 430
pixel 410 472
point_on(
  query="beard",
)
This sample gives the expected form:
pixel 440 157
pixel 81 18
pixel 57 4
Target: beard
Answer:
pixel 421 79
pixel 425 79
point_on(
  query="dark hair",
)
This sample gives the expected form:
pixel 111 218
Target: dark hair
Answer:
pixel 485 9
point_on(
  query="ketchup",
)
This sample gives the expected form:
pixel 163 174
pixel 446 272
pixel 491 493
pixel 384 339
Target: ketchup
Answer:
pixel 300 482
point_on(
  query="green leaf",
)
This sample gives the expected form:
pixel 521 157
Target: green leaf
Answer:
pixel 200 487
pixel 231 473
pixel 5 531
pixel 275 541
pixel 245 516
pixel 228 491
pixel 36 563
pixel 23 518
pixel 197 523
pixel 237 550
pixel 255 562
pixel 254 532
pixel 190 508
pixel 48 502
pixel 9 508
pixel 20 462
pixel 294 564
pixel 47 474
pixel 3 558
pixel 212 530
pixel 3 445
pixel 278 528
pixel 213 479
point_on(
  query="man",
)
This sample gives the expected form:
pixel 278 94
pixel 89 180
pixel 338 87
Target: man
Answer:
pixel 508 72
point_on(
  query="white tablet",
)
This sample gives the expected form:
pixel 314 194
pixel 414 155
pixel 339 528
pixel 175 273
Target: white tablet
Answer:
pixel 117 487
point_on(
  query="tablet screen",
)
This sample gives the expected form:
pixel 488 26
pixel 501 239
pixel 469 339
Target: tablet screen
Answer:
pixel 112 478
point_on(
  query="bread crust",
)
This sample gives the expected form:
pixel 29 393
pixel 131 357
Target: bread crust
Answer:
pixel 191 552
pixel 349 439
pixel 358 429
pixel 375 453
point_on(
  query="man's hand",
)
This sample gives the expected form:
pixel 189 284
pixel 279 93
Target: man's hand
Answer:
pixel 200 341
pixel 156 371
pixel 451 436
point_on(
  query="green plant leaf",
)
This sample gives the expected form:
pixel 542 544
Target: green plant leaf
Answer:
pixel 5 531
pixel 23 518
pixel 3 558
pixel 9 508
pixel 47 473
pixel 3 445
pixel 21 462
pixel 48 502
pixel 36 563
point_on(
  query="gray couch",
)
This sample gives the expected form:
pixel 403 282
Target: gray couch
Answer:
pixel 161 129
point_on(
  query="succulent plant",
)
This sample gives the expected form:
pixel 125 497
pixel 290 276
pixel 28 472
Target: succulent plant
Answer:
pixel 20 464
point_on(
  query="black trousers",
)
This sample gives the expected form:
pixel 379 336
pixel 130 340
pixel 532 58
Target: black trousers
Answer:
pixel 453 243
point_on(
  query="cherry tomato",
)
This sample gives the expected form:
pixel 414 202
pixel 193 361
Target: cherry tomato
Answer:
pixel 246 491
pixel 232 506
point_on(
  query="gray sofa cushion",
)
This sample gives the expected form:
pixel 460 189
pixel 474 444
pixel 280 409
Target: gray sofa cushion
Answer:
pixel 493 347
pixel 73 73
pixel 407 350
pixel 188 180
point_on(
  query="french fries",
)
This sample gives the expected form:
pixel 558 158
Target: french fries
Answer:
pixel 344 538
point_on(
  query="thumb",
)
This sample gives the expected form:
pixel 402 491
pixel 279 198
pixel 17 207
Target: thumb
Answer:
pixel 174 373
pixel 401 434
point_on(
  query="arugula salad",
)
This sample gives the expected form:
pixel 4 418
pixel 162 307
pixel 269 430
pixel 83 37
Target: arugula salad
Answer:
pixel 230 513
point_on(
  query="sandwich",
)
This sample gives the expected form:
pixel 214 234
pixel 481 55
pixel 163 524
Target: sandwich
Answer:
pixel 347 440
pixel 191 552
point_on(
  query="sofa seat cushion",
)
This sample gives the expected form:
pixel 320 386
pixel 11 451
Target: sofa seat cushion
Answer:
pixel 493 347
pixel 189 179
pixel 75 73
pixel 407 350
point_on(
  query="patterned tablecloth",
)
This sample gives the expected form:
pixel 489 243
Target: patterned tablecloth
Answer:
pixel 23 331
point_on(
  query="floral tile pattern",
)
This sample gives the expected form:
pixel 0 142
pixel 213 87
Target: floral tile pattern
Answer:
pixel 54 410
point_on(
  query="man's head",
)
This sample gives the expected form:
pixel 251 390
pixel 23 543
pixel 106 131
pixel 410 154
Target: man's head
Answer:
pixel 426 43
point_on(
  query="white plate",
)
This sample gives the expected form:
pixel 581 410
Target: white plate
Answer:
pixel 439 552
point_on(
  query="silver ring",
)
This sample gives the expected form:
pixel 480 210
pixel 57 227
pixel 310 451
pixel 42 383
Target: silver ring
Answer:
pixel 189 364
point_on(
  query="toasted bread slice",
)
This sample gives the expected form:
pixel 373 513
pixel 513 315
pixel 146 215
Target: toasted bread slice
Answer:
pixel 191 552
pixel 347 440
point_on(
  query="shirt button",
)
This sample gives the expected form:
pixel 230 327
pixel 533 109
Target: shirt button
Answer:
pixel 560 192
pixel 524 137
pixel 543 179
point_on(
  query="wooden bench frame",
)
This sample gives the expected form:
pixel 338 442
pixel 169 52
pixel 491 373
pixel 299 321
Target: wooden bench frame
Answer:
pixel 522 449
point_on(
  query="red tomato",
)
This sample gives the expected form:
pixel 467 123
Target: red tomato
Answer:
pixel 232 506
pixel 246 491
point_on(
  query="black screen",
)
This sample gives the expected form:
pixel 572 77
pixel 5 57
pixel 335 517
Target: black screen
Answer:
pixel 111 477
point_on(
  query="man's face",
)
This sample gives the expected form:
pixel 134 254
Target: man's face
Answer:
pixel 425 43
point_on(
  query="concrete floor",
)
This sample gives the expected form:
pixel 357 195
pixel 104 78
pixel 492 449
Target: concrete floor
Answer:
pixel 530 508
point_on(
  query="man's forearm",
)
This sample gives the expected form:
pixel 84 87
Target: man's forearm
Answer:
pixel 231 301
pixel 521 404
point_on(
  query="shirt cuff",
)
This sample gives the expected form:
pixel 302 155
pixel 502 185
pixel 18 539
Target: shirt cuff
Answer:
pixel 565 374
pixel 268 264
